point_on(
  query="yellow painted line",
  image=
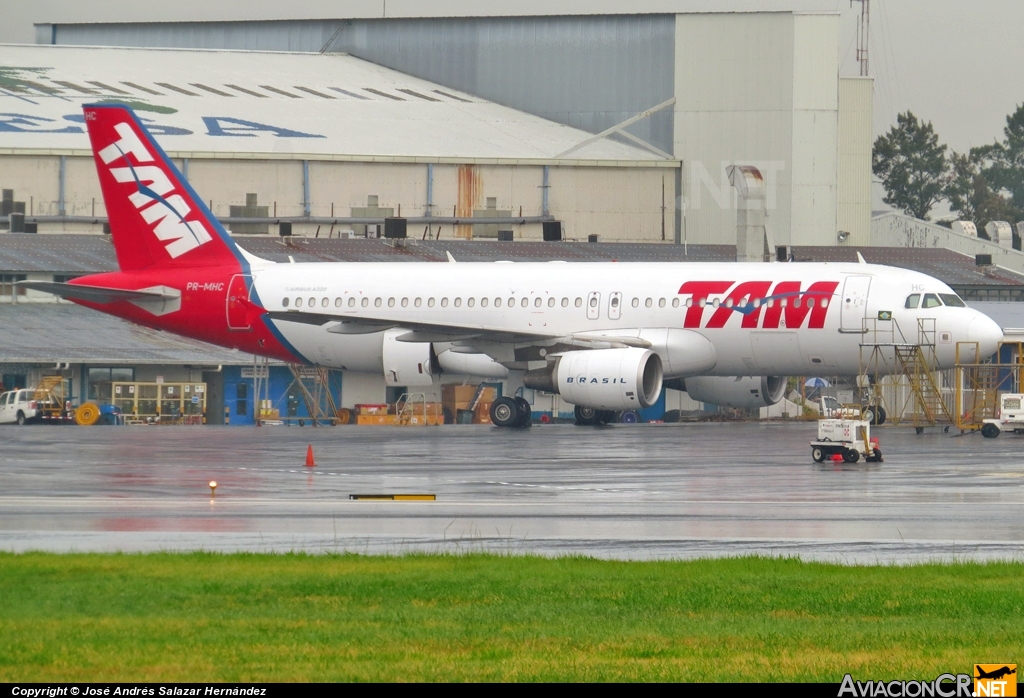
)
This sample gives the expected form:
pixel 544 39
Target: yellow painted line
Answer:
pixel 395 497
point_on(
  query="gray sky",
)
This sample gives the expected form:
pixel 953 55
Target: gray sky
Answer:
pixel 958 64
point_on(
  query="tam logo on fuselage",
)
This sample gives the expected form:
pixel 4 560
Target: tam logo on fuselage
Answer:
pixel 164 211
pixel 786 305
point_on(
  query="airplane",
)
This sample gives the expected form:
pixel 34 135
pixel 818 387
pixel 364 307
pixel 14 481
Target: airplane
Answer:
pixel 606 337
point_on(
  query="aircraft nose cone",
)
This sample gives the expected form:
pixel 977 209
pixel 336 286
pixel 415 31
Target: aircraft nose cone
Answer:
pixel 986 333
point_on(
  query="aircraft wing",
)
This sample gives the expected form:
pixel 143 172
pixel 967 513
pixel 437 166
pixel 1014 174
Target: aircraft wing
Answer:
pixel 97 294
pixel 417 331
pixel 471 338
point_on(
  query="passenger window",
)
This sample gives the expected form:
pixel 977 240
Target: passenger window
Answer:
pixel 470 302
pixel 551 302
pixel 649 302
pixel 483 302
pixel 284 302
pixel 312 302
pixel 952 300
pixel 511 302
pixel 497 302
pixel 377 302
pixel 538 302
pixel 337 302
pixel 593 302
pixel 366 302
pixel 689 302
pixel 352 302
pixel 391 302
pixel 931 301
pixel 298 302
pixel 912 301
pixel 824 302
pixel 810 302
pixel 565 302
pixel 458 302
pixel 430 302
pixel 675 302
pixel 526 302
pixel 579 302
pixel 444 302
pixel 636 302
pixel 615 301
pixel 661 302
pixel 796 302
pixel 325 302
pixel 405 302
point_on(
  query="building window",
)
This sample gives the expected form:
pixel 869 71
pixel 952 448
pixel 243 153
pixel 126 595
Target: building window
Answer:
pixel 242 398
pixel 7 287
pixel 99 380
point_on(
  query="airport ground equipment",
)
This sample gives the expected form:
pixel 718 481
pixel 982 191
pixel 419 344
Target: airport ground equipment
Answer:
pixel 18 407
pixel 981 386
pixel 51 397
pixel 849 438
pixel 1010 417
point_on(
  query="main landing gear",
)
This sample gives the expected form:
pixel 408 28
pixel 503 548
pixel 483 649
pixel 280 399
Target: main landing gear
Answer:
pixel 589 416
pixel 511 412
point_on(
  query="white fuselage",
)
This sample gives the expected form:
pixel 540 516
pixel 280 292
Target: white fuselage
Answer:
pixel 763 319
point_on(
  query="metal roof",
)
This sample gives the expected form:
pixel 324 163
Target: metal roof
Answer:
pixel 87 254
pixel 274 104
pixel 35 333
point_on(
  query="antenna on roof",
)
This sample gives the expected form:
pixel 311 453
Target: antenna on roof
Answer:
pixel 862 35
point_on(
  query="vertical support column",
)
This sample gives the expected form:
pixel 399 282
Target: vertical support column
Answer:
pixel 60 185
pixel 679 205
pixel 305 188
pixel 429 208
pixel 545 186
pixel 750 231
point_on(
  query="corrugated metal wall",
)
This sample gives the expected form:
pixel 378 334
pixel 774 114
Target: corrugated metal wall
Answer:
pixel 589 72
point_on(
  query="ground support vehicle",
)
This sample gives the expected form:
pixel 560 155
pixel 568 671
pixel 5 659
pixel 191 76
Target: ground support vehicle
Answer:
pixel 848 438
pixel 1010 418
pixel 18 407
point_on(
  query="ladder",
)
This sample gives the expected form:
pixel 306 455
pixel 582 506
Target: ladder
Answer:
pixel 918 370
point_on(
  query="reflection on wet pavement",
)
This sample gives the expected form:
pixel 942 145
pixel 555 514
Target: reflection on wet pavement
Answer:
pixel 624 491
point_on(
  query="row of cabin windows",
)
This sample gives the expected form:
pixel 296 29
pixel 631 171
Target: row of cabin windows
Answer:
pixel 325 302
pixel 934 300
pixel 311 302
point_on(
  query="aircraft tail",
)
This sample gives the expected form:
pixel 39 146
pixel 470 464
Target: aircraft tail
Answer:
pixel 156 219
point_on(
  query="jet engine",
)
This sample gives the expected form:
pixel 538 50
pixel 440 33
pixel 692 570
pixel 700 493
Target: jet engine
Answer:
pixel 406 363
pixel 741 391
pixel 605 379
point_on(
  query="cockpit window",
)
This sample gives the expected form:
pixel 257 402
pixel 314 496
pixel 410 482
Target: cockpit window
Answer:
pixel 952 300
pixel 931 301
pixel 912 300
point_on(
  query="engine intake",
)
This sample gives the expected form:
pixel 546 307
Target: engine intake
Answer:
pixel 605 379
pixel 741 391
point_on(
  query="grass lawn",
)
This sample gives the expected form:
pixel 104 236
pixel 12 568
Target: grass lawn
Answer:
pixel 209 617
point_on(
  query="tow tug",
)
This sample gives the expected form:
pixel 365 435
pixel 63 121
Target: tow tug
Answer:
pixel 849 438
pixel 1011 416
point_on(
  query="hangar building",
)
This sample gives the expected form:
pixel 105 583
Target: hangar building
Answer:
pixel 702 89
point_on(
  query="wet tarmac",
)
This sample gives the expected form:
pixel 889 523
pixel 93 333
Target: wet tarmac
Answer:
pixel 628 492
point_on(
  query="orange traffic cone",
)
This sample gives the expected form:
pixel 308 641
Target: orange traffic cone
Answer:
pixel 310 463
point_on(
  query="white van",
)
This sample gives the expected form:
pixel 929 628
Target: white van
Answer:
pixel 17 407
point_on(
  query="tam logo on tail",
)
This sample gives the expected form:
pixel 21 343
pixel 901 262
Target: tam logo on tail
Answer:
pixel 164 211
pixel 156 219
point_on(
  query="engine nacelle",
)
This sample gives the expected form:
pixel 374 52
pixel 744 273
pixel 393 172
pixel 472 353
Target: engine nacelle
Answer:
pixel 742 391
pixel 479 365
pixel 605 379
pixel 406 363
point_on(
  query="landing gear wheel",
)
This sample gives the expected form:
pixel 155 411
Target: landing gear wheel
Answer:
pixel 851 455
pixel 881 414
pixel 585 416
pixel 504 412
pixel 990 431
pixel 818 454
pixel 630 417
pixel 524 412
pixel 870 415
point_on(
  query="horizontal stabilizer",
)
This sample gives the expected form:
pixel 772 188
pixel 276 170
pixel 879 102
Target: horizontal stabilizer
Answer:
pixel 98 294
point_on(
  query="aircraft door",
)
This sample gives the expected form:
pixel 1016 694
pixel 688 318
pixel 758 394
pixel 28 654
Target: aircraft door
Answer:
pixel 593 305
pixel 855 303
pixel 615 306
pixel 238 302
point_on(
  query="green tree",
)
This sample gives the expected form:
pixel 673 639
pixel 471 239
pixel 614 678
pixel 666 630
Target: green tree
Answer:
pixel 970 193
pixel 912 164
